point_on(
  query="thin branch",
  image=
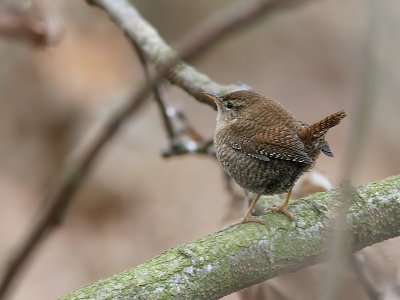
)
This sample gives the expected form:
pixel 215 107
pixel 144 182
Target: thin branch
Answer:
pixel 157 91
pixel 77 169
pixel 163 108
pixel 184 146
pixel 240 256
pixel 186 139
pixel 177 145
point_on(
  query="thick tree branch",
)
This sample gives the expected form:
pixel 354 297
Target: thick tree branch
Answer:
pixel 243 255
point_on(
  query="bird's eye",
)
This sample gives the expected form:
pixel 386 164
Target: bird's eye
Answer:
pixel 229 105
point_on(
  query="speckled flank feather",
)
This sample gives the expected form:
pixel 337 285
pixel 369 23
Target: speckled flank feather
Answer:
pixel 262 146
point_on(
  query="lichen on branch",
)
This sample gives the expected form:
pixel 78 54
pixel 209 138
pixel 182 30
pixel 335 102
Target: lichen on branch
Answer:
pixel 240 256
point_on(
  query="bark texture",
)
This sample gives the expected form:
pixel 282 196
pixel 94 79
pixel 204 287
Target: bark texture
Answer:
pixel 240 256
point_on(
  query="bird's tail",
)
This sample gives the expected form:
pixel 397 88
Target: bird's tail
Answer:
pixel 320 128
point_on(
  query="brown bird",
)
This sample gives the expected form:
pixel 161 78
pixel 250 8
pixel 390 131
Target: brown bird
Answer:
pixel 263 147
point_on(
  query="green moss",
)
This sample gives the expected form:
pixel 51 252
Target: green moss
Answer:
pixel 245 254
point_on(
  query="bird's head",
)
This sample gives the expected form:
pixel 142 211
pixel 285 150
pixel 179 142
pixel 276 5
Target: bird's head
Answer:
pixel 235 106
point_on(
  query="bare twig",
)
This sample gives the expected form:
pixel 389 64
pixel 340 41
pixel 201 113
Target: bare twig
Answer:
pixel 157 91
pixel 76 170
pixel 177 143
pixel 183 146
pixel 186 138
pixel 163 108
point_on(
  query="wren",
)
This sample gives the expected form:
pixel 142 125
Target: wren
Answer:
pixel 263 147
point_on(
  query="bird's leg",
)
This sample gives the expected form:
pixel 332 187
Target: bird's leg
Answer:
pixel 283 208
pixel 247 216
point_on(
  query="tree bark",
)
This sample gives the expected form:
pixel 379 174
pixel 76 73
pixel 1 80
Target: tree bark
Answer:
pixel 240 256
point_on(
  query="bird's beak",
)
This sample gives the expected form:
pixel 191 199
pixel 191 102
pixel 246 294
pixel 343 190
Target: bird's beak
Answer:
pixel 212 97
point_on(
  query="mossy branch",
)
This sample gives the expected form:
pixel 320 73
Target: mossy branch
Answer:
pixel 240 256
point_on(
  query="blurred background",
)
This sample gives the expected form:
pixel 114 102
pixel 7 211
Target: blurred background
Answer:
pixel 67 64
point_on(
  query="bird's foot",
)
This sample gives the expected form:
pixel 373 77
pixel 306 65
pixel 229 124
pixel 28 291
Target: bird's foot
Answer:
pixel 283 210
pixel 248 219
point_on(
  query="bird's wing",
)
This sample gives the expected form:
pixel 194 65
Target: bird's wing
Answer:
pixel 278 143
